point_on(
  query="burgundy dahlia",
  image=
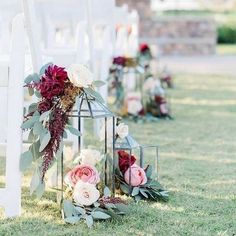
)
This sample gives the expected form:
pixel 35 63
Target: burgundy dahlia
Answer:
pixel 160 100
pixel 125 161
pixel 52 82
pixel 119 61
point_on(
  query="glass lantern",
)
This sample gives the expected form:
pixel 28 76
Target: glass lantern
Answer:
pixel 90 107
pixel 141 152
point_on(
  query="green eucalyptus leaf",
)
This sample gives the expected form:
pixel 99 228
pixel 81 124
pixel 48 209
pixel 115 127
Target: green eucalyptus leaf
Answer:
pixel 149 171
pixel 106 192
pixel 43 68
pixel 135 191
pixel 80 210
pixel 124 188
pixel 65 136
pixel 35 181
pixel 73 130
pixel 44 115
pixel 28 124
pixel 38 128
pixel 68 208
pixel 28 79
pixel 89 220
pixel 122 207
pixel 40 190
pixel 30 91
pixel 36 77
pixel 94 94
pixel 32 107
pixel 36 115
pixel 110 205
pixel 72 220
pixel 34 148
pixel 31 136
pixel 100 215
pixel 143 192
pixel 98 83
pixel 37 94
pixel 25 160
pixel 46 139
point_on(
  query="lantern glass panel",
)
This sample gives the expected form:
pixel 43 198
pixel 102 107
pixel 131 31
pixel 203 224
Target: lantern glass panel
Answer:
pixel 88 110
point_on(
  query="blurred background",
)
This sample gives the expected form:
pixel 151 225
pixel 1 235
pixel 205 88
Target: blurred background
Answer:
pixel 190 35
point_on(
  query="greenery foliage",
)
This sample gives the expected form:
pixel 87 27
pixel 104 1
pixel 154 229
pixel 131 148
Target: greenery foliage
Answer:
pixel 227 33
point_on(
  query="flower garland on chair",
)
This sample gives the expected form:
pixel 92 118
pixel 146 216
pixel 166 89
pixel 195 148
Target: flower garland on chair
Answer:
pixel 48 119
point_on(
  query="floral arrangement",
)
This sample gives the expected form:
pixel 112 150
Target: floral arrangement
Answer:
pixel 133 104
pixel 125 61
pixel 136 181
pixel 47 119
pixel 144 55
pixel 166 78
pixel 154 97
pixel 85 197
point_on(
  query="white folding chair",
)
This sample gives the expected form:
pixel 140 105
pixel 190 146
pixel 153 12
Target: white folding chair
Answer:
pixel 11 92
pixel 8 9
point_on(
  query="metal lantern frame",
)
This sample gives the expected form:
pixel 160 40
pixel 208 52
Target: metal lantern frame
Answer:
pixel 129 144
pixel 91 108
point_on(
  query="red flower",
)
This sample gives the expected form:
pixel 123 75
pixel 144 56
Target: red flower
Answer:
pixel 162 103
pixel 160 100
pixel 124 162
pixel 44 106
pixel 52 82
pixel 144 48
pixel 119 61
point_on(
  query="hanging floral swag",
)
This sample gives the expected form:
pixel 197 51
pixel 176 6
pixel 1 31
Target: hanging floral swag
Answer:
pixel 48 119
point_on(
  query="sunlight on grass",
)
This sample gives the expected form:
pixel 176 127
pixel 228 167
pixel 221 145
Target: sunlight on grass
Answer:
pixel 190 101
pixel 226 49
pixel 197 164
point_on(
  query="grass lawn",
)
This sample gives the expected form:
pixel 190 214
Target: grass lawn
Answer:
pixel 226 49
pixel 198 167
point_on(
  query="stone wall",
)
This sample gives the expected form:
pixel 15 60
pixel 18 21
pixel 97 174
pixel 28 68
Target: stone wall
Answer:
pixel 174 35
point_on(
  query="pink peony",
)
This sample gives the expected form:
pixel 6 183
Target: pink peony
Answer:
pixel 138 176
pixel 85 173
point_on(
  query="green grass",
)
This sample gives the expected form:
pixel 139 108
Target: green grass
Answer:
pixel 198 163
pixel 226 49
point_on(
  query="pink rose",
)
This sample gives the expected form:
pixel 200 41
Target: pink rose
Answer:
pixel 85 173
pixel 138 176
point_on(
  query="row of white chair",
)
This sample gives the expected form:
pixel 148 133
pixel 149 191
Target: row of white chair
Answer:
pixel 89 22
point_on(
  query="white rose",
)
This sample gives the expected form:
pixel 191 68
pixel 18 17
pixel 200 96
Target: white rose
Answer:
pixel 134 107
pixel 90 157
pixel 85 193
pixel 80 75
pixel 122 130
